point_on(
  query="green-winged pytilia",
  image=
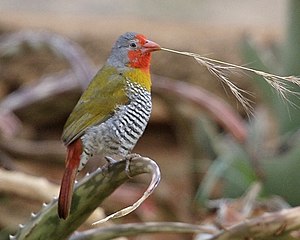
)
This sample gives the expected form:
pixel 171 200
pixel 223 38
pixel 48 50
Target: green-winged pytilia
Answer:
pixel 112 113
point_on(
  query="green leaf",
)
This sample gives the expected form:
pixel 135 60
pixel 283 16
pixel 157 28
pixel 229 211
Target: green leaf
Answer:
pixel 232 168
pixel 281 175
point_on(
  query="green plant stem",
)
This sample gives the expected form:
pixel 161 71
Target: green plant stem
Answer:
pixel 88 194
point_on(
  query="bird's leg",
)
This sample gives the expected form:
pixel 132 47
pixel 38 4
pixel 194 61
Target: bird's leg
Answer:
pixel 128 159
pixel 110 160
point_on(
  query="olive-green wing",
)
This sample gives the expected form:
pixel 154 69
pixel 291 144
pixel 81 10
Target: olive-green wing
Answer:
pixel 98 102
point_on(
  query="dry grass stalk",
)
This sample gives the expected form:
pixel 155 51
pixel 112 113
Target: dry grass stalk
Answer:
pixel 222 70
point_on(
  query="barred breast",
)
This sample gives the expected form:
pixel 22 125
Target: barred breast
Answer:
pixel 118 135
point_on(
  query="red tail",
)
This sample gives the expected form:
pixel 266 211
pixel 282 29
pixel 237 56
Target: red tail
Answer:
pixel 67 183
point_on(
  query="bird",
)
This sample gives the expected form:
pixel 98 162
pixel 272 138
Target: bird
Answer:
pixel 111 114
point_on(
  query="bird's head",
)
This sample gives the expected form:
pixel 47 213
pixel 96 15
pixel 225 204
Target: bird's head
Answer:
pixel 132 50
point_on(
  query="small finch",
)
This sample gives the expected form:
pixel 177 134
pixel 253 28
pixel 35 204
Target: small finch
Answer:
pixel 112 113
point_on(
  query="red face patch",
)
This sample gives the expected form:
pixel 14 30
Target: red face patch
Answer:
pixel 142 39
pixel 138 59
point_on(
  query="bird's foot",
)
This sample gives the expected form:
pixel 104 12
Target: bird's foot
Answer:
pixel 128 159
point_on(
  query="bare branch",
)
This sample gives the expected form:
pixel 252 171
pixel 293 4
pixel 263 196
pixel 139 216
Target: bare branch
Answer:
pixel 24 185
pixel 80 74
pixel 48 149
pixel 72 52
pixel 133 229
pixel 10 124
pixel 268 226
pixel 46 87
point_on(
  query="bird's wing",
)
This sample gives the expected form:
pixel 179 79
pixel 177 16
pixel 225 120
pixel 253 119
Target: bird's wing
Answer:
pixel 98 102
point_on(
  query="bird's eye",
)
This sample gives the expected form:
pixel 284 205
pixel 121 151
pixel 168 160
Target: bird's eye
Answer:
pixel 133 45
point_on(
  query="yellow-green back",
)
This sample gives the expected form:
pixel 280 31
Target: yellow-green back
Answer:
pixel 99 101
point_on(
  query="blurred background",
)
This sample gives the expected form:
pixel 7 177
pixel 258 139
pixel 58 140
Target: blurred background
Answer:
pixel 206 149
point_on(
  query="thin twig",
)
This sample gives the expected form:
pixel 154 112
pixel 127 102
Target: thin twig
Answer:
pixel 71 51
pixel 268 226
pixel 82 71
pixel 25 185
pixel 48 149
pixel 133 229
pixel 46 86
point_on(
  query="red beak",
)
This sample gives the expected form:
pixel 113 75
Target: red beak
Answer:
pixel 150 46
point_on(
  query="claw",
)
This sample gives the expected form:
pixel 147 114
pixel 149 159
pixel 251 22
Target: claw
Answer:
pixel 110 160
pixel 127 170
pixel 133 155
pixel 128 159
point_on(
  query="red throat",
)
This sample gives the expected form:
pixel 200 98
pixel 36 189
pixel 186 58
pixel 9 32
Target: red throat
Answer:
pixel 139 60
